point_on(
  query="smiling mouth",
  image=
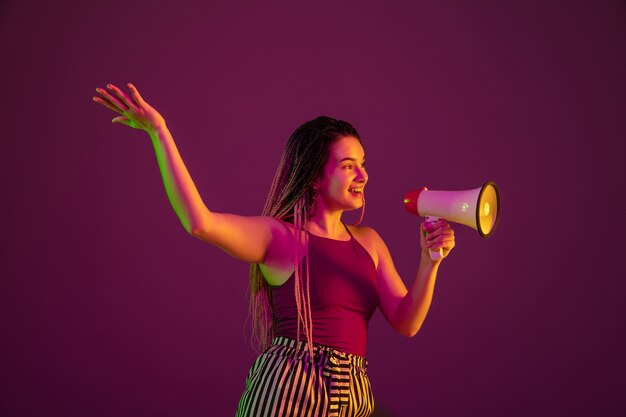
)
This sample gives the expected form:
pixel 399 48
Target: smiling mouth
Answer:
pixel 358 190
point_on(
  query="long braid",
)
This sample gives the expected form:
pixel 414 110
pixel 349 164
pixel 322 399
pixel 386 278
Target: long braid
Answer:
pixel 260 295
pixel 303 289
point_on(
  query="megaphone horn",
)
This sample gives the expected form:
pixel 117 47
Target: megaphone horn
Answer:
pixel 478 208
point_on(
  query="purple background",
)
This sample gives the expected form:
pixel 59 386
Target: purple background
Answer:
pixel 108 307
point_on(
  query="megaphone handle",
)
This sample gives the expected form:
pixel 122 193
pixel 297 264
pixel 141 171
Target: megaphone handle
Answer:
pixel 437 254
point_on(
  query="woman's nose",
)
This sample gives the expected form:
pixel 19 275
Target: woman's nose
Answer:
pixel 362 175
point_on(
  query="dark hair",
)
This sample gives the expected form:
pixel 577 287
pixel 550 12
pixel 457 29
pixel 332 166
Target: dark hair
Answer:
pixel 291 199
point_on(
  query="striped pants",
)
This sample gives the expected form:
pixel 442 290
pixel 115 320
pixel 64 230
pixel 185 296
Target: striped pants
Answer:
pixel 285 382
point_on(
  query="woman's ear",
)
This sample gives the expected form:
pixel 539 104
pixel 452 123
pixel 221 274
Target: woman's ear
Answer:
pixel 315 184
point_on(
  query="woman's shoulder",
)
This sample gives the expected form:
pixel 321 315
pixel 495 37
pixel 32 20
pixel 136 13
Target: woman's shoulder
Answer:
pixel 369 239
pixel 365 232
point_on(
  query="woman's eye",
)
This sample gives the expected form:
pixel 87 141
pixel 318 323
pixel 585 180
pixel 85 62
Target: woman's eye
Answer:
pixel 347 166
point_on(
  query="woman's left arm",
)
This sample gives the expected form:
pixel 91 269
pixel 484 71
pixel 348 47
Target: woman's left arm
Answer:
pixel 405 310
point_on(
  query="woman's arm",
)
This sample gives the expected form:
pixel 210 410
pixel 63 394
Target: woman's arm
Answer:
pixel 245 238
pixel 405 310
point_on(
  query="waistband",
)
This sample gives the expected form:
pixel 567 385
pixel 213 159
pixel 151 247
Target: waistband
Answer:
pixel 323 355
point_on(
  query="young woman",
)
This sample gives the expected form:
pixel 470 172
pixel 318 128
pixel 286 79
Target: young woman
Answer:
pixel 315 282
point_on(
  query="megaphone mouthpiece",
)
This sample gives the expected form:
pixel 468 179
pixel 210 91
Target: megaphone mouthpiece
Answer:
pixel 410 201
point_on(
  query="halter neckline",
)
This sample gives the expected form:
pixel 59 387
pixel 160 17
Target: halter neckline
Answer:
pixel 335 240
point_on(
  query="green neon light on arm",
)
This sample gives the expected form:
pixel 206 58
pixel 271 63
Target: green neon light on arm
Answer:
pixel 179 186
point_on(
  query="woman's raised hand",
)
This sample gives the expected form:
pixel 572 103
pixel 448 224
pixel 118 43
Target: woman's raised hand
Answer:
pixel 135 112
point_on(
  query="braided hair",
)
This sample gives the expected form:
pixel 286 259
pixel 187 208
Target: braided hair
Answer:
pixel 291 199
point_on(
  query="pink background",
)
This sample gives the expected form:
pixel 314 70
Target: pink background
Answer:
pixel 108 307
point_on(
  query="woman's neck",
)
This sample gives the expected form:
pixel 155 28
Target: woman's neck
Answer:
pixel 327 224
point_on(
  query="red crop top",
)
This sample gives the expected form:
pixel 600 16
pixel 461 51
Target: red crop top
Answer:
pixel 344 295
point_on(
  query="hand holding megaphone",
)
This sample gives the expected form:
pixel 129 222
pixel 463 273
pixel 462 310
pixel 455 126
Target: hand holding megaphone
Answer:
pixel 437 234
pixel 478 208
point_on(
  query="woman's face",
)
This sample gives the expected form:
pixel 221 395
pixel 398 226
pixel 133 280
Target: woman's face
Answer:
pixel 344 176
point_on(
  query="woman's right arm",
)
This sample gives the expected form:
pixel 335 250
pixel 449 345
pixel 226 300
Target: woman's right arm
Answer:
pixel 245 238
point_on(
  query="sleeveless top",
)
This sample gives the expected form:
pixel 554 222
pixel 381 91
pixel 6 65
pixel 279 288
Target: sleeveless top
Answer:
pixel 344 295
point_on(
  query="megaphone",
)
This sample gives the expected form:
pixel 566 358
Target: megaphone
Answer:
pixel 478 208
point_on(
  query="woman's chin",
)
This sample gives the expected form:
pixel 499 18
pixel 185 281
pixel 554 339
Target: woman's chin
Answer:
pixel 356 205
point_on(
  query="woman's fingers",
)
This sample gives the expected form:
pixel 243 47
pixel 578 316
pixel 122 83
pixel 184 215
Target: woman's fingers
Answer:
pixel 107 104
pixel 128 122
pixel 443 243
pixel 122 96
pixel 440 239
pixel 113 100
pixel 438 235
pixel 123 120
pixel 136 96
pixel 439 231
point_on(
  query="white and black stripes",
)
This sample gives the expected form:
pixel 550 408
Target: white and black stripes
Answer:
pixel 286 382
